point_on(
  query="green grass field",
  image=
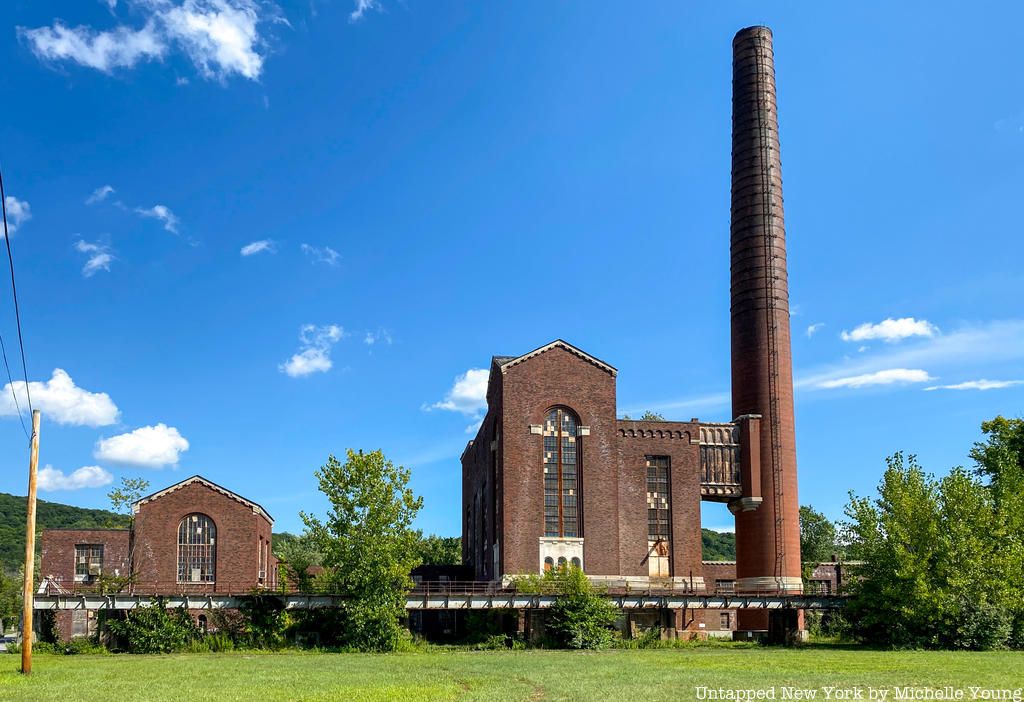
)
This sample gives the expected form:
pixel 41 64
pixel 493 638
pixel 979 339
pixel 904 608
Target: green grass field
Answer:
pixel 609 676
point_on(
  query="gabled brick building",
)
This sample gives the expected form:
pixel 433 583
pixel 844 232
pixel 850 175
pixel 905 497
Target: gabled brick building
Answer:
pixel 194 536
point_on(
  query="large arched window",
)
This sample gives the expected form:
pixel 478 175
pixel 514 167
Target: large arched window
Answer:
pixel 561 474
pixel 197 549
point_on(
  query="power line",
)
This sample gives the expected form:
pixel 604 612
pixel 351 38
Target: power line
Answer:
pixel 14 394
pixel 17 312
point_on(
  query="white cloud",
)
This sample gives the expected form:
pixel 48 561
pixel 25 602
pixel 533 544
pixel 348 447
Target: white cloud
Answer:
pixel 121 47
pixel 62 401
pixel 162 213
pixel 99 194
pixel 889 376
pixel 112 4
pixel 220 37
pixel 890 330
pixel 362 7
pixel 146 447
pixel 321 255
pixel 381 336
pixel 314 355
pixel 50 478
pixel 258 247
pixel 18 212
pixel 468 393
pixel 979 344
pixel 981 384
pixel 99 259
pixel 814 329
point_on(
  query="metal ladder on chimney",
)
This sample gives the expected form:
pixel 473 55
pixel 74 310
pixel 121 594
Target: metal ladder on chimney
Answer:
pixel 771 298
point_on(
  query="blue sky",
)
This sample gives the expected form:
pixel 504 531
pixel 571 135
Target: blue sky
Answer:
pixel 421 185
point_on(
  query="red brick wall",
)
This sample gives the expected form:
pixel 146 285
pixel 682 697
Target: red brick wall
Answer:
pixel 57 559
pixel 239 530
pixel 529 390
pixel 638 440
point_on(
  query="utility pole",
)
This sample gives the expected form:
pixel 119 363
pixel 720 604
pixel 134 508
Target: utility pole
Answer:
pixel 30 550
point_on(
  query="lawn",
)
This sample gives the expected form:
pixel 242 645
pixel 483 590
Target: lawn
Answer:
pixel 609 676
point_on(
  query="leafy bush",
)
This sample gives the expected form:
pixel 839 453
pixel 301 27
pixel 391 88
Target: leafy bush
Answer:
pixel 64 648
pixel 981 626
pixel 211 643
pixel 580 617
pixel 155 629
pixel 265 621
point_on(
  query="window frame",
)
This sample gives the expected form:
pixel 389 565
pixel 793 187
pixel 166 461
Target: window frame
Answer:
pixel 559 466
pixel 191 551
pixel 88 558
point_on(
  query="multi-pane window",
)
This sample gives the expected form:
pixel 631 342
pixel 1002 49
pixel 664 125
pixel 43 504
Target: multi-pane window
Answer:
pixel 197 549
pixel 88 561
pixel 561 474
pixel 725 586
pixel 659 500
pixel 725 622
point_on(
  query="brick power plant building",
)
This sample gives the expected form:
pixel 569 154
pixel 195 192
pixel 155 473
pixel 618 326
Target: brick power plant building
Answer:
pixel 193 537
pixel 553 477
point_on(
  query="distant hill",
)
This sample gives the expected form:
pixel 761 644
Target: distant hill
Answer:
pixel 718 546
pixel 49 515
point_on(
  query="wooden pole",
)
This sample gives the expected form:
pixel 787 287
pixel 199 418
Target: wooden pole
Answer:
pixel 30 550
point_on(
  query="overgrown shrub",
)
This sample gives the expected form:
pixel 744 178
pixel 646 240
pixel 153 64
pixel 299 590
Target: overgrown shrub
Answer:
pixel 155 629
pixel 64 648
pixel 265 621
pixel 981 626
pixel 580 617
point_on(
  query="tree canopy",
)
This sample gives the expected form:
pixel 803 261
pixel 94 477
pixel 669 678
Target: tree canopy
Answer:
pixel 367 545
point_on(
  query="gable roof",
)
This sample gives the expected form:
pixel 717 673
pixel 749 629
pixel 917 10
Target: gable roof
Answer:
pixel 506 362
pixel 210 484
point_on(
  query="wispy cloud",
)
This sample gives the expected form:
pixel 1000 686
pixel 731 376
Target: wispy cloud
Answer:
pixel 51 479
pixel 381 336
pixel 314 354
pixel 261 246
pixel 891 330
pixel 221 37
pixel 889 376
pixel 321 254
pixel 362 7
pixel 18 212
pixel 99 257
pixel 981 384
pixel 973 345
pixel 100 194
pixel 161 213
pixel 814 329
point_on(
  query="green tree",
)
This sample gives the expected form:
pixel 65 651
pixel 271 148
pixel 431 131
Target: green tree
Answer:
pixel 934 562
pixel 121 499
pixel 10 600
pixel 439 550
pixel 298 554
pixel 367 544
pixel 155 629
pixel 648 416
pixel 817 539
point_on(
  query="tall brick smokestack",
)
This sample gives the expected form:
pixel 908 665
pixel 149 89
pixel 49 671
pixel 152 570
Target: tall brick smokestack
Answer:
pixel 768 537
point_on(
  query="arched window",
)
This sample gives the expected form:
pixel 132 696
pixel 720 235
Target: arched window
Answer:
pixel 197 549
pixel 549 564
pixel 561 474
pixel 561 562
pixel 576 563
pixel 201 620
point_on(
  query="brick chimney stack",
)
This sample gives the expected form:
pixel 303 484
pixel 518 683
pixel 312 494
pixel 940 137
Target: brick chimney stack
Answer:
pixel 768 537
